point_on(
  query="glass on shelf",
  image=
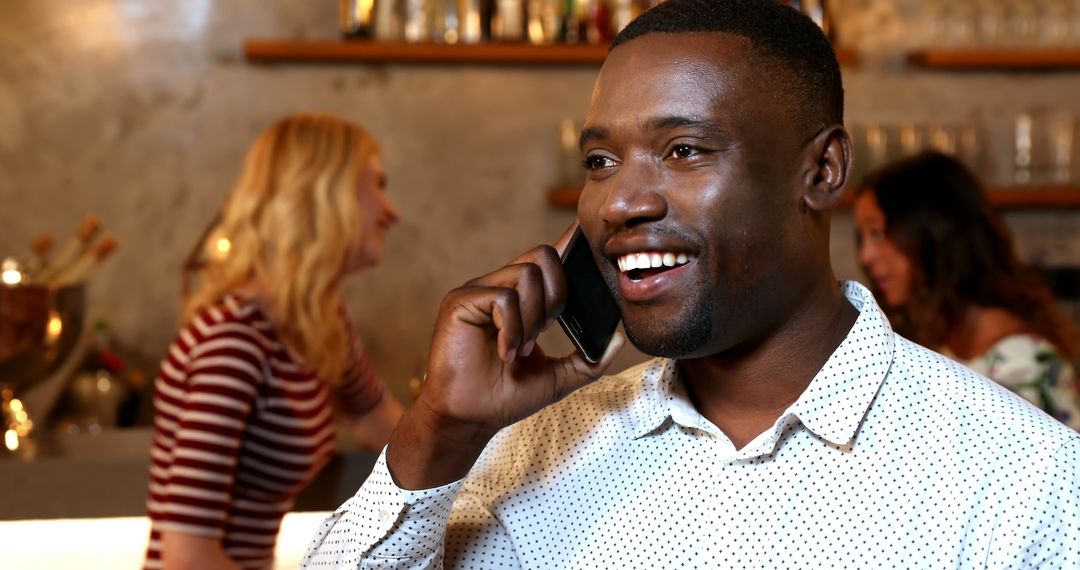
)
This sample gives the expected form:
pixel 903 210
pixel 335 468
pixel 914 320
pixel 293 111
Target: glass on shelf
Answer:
pixel 1044 148
pixel 878 144
pixel 1053 25
pixel 475 21
pixel 997 24
pixel 571 173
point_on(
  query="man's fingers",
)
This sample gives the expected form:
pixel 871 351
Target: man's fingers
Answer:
pixel 528 281
pixel 573 371
pixel 483 307
pixel 554 279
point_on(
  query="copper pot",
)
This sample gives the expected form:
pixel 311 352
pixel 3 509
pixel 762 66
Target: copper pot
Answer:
pixel 39 328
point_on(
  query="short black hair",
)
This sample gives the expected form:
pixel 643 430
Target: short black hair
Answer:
pixel 778 32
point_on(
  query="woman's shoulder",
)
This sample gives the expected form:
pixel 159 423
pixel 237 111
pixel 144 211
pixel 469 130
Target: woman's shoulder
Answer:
pixel 235 318
pixel 1025 349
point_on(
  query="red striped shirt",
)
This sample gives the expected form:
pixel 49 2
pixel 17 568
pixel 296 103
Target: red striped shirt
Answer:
pixel 240 428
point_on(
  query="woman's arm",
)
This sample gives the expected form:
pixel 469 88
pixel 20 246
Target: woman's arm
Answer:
pixel 182 551
pixel 372 430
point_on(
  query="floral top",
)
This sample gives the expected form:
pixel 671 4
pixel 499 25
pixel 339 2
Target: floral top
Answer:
pixel 1030 366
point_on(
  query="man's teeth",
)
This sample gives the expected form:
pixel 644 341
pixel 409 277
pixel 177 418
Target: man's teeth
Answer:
pixel 650 260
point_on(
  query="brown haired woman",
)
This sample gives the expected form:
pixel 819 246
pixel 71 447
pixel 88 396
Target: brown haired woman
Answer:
pixel 943 266
pixel 243 402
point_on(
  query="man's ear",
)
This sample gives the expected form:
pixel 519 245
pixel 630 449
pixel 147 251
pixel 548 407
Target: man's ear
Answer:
pixel 828 160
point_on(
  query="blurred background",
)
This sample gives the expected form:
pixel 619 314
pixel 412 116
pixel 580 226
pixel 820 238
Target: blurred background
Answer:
pixel 139 112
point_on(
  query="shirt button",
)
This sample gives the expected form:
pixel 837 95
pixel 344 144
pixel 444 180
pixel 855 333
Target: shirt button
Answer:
pixel 384 516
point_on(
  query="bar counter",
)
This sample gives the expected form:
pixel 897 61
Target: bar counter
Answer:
pixel 79 501
pixel 106 475
pixel 120 542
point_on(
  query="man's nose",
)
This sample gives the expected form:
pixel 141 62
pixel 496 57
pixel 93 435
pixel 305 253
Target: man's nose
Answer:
pixel 632 196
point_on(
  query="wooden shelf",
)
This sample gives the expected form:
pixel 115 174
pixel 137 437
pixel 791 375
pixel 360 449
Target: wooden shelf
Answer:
pixel 564 197
pixel 1036 197
pixel 1011 198
pixel 846 56
pixel 327 51
pixel 359 51
pixel 997 59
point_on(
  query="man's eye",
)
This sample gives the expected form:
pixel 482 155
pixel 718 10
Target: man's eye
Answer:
pixel 596 162
pixel 683 151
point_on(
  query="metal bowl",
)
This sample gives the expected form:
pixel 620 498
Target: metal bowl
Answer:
pixel 39 328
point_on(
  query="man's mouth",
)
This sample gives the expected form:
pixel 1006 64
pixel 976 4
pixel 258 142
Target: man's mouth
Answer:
pixel 644 264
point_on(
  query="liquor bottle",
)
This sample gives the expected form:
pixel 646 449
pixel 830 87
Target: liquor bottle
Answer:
pixel 544 21
pixel 508 21
pixel 417 28
pixel 816 10
pixel 90 401
pixel 445 21
pixel 575 21
pixel 600 32
pixel 130 408
pixel 471 15
pixel 625 11
pixel 389 21
pixel 357 18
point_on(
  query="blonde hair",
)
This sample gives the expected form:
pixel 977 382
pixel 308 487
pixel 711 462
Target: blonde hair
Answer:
pixel 291 221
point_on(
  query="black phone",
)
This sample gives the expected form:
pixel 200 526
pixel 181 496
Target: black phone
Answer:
pixel 591 314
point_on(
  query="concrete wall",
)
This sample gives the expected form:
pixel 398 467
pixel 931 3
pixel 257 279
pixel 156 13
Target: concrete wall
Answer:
pixel 140 110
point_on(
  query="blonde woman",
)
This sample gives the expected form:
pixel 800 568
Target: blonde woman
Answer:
pixel 243 401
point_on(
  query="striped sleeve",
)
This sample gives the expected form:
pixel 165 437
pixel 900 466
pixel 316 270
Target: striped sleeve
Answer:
pixel 208 414
pixel 361 390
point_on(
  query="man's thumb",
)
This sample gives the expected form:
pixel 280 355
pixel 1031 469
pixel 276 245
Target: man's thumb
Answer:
pixel 575 372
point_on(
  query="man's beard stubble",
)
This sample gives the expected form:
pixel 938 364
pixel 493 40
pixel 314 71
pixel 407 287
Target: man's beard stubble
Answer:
pixel 677 336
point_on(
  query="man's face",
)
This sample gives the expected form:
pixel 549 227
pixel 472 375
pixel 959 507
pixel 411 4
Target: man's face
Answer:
pixel 694 167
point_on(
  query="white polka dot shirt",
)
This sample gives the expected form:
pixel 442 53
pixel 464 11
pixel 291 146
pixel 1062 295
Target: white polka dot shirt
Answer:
pixel 893 457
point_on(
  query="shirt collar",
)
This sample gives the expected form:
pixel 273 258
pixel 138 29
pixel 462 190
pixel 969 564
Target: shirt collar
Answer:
pixel 832 406
pixel 663 397
pixel 838 398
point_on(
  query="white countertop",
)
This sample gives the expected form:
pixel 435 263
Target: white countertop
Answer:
pixel 119 543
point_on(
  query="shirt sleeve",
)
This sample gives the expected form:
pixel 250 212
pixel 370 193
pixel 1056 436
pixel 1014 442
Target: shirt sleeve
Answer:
pixel 1040 525
pixel 209 412
pixel 361 389
pixel 386 527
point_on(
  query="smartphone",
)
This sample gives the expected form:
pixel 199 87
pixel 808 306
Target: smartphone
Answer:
pixel 590 315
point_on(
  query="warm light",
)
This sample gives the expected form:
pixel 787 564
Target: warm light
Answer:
pixel 16 405
pixel 11 276
pixel 54 328
pixel 223 245
pixel 11 440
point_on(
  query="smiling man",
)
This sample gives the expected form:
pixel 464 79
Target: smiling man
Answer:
pixel 782 425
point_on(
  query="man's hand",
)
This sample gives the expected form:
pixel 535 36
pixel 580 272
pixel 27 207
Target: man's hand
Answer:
pixel 485 370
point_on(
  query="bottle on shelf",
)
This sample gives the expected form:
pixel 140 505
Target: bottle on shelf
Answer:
pixel 357 18
pixel 816 10
pixel 508 21
pixel 92 398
